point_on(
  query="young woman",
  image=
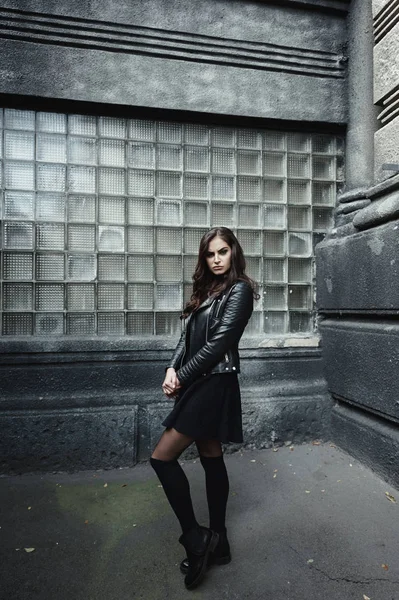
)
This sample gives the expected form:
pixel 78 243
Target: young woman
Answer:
pixel 202 378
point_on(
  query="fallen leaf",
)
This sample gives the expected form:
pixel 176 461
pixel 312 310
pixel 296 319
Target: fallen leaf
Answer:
pixel 307 492
pixel 124 485
pixel 365 597
pixel 385 567
pixel 275 449
pixel 86 522
pixel 333 446
pixel 291 447
pixel 29 507
pixel 253 460
pixel 310 560
pixel 274 476
pixel 105 484
pixel 390 497
pixel 29 549
pixel 134 524
pixel 316 443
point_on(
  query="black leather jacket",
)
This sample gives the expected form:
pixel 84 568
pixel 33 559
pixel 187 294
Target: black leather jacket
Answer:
pixel 215 329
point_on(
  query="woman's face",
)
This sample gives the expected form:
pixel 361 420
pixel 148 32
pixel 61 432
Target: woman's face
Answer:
pixel 218 256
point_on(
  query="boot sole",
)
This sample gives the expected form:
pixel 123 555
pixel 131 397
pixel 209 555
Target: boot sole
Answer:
pixel 223 560
pixel 201 574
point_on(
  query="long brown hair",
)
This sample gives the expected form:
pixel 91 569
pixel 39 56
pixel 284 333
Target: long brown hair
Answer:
pixel 205 283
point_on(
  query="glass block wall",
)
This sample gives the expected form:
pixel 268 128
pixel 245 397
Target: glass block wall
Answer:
pixel 102 217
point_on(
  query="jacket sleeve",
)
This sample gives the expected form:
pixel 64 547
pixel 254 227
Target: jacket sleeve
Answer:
pixel 178 353
pixel 227 333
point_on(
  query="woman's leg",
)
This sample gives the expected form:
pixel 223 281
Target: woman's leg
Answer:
pixel 217 482
pixel 171 475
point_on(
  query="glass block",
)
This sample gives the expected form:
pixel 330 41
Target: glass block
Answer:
pixel 81 324
pixel 223 188
pixel 249 215
pixel 82 179
pixel 196 134
pixel 273 190
pixel 168 297
pixel 140 268
pixel 192 238
pixel 169 212
pixel 168 240
pixel 140 239
pixel 111 296
pixel 169 157
pixel 322 218
pixel 50 266
pixel 340 166
pixel 18 296
pixel 299 296
pixel 82 208
pixel 17 265
pixel 51 178
pixel 300 244
pixel 82 150
pixel 140 296
pixel 112 153
pixel 275 322
pixel 253 268
pixel 111 181
pixel 169 268
pixel 169 184
pixel 167 323
pixel 141 183
pixel 169 132
pixel 299 217
pixel 222 136
pixel 140 323
pixel 49 324
pixel 275 270
pixel 111 324
pixel 196 159
pixel 300 322
pixel 50 207
pixel 1 117
pixel 111 210
pixel 140 211
pixel 254 326
pixel 273 163
pixel 248 163
pixel 18 235
pixel 274 243
pixel 196 213
pixel 111 268
pixel 340 145
pixel 187 292
pixel 223 215
pixel 17 324
pixel 19 119
pixel 141 130
pixel 298 192
pixel 275 296
pixel 111 238
pixel 50 296
pixel 189 262
pixel 274 216
pixel 112 127
pixel 196 186
pixel 223 161
pixel 273 140
pixel 82 267
pixel 247 138
pixel 323 167
pixel 51 122
pixel 248 189
pixel 51 148
pixel 299 270
pixel 18 205
pixel 81 296
pixel 251 241
pixel 298 165
pixel 323 194
pixel 141 156
pixel 19 176
pixel 19 145
pixel 317 239
pixel 82 124
pixel 323 143
pixel 299 142
pixel 81 237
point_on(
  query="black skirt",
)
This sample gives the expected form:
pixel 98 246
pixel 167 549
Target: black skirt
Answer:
pixel 209 408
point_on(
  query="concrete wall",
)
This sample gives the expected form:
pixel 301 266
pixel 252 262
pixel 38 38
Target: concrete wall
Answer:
pixel 73 404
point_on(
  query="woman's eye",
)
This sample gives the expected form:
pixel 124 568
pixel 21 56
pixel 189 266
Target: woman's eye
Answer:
pixel 223 251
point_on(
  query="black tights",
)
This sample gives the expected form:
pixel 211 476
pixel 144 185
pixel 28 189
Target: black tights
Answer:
pixel 176 485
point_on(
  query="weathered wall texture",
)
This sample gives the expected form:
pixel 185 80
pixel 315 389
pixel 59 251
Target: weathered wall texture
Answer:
pixel 72 404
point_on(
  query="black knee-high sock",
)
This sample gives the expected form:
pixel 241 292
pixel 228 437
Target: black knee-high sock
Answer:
pixel 217 490
pixel 177 490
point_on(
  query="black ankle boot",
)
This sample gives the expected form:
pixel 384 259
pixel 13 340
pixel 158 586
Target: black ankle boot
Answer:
pixel 199 543
pixel 220 556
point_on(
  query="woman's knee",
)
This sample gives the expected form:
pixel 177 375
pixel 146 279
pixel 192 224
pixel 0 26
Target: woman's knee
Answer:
pixel 209 448
pixel 170 445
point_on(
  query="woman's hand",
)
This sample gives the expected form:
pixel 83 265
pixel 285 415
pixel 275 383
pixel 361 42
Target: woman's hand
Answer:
pixel 171 384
